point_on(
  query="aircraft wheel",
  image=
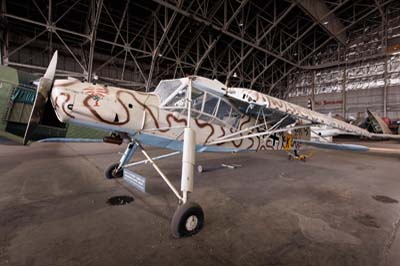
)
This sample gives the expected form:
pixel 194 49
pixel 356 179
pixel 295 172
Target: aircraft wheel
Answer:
pixel 111 172
pixel 188 220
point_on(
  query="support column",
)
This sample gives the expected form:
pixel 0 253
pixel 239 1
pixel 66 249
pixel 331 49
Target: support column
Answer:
pixel 344 103
pixel 313 90
pixel 97 6
pixel 385 89
pixel 385 75
pixel 3 35
pixel 50 25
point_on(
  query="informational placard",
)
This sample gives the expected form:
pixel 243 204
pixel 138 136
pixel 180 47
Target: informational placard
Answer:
pixel 136 180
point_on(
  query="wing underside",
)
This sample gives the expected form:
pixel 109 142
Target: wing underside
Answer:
pixel 277 108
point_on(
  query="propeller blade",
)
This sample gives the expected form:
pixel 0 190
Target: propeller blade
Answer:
pixel 42 95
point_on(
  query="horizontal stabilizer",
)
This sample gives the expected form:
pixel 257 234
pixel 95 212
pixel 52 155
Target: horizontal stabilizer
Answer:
pixel 348 147
pixel 333 146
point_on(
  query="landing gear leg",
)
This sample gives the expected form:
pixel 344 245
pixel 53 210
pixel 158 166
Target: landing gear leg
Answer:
pixel 116 170
pixel 188 218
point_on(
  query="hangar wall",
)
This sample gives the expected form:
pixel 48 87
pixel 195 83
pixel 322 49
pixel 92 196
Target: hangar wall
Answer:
pixel 364 74
pixel 357 102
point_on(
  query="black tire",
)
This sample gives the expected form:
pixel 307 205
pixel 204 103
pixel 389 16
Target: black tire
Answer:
pixel 111 173
pixel 180 224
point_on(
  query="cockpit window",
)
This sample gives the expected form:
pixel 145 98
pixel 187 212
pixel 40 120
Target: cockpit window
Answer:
pixel 205 106
pixel 197 99
pixel 178 100
pixel 166 87
pixel 210 104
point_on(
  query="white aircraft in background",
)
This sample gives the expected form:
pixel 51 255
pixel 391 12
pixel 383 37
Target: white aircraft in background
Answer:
pixel 188 115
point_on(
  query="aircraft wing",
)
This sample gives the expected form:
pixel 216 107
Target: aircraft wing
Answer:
pixel 272 104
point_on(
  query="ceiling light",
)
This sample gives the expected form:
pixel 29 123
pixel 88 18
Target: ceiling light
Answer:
pixel 235 75
pixel 325 22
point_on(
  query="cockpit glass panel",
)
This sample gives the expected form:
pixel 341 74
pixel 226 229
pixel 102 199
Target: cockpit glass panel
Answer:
pixel 224 111
pixel 234 118
pixel 210 104
pixel 166 87
pixel 197 99
pixel 178 100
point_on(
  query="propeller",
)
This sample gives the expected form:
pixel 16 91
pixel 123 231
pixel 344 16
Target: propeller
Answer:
pixel 42 95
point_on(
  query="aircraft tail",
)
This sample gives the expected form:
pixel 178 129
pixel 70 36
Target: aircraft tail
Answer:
pixel 42 95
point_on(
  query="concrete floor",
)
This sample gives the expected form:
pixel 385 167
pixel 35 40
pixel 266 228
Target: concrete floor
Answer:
pixel 272 211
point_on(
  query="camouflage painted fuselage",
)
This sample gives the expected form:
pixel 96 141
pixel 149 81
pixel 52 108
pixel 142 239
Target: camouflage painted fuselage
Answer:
pixel 137 113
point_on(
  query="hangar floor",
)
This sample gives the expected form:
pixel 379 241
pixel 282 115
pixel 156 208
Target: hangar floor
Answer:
pixel 272 211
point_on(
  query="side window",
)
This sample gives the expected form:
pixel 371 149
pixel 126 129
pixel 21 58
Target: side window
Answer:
pixel 166 87
pixel 210 104
pixel 224 111
pixel 197 99
pixel 178 100
pixel 234 118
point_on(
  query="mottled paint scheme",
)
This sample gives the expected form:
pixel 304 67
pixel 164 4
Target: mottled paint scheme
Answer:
pixel 131 111
pixel 294 110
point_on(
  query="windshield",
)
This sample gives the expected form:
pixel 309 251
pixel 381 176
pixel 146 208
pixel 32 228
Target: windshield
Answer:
pixel 166 88
pixel 205 106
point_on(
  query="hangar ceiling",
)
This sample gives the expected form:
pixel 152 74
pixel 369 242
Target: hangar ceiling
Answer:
pixel 249 43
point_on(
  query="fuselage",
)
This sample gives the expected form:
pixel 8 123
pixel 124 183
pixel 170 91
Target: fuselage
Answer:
pixel 146 117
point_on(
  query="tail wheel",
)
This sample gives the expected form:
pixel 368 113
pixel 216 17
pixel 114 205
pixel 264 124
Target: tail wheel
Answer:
pixel 188 220
pixel 111 172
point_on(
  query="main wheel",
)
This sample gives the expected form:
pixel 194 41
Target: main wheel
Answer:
pixel 188 220
pixel 111 171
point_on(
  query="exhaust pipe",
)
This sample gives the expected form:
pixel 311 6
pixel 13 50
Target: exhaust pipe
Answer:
pixel 113 140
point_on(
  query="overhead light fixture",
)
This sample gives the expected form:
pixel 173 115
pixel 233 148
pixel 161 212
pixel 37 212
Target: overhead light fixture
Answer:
pixel 325 22
pixel 160 55
pixel 241 24
pixel 235 75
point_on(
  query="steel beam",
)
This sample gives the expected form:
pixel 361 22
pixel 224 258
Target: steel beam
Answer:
pixel 317 9
pixel 260 38
pixel 296 41
pixel 160 42
pixel 355 21
pixel 93 32
pixel 220 29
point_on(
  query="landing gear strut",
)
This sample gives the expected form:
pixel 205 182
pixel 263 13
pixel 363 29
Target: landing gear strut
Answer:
pixel 188 218
pixel 116 170
pixel 112 171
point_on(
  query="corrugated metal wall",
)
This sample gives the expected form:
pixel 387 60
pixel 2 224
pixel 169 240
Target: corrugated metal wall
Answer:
pixel 357 101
